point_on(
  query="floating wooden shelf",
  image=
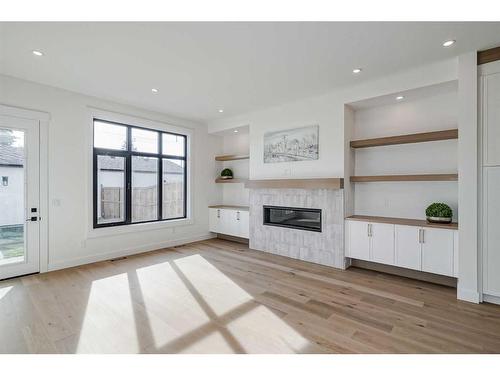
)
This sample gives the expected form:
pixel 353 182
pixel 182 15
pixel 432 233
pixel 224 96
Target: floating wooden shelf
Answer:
pixel 406 177
pixel 401 221
pixel 230 207
pixel 231 157
pixel 230 180
pixel 306 183
pixel 408 138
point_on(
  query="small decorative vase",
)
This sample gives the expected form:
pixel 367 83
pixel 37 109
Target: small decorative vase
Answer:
pixel 439 220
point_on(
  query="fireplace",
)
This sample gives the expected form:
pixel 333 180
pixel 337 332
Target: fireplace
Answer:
pixel 293 217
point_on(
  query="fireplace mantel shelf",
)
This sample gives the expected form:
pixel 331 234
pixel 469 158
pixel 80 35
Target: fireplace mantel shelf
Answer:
pixel 302 183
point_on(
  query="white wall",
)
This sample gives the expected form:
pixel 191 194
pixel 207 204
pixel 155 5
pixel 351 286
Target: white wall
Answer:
pixel 328 112
pixel 69 170
pixel 416 114
pixel 236 144
pixel 12 196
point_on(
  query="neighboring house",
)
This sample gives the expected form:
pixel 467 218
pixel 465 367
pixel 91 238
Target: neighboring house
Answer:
pixel 11 185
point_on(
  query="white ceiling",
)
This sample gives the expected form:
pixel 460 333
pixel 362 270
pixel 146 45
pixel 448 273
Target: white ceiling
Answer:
pixel 201 67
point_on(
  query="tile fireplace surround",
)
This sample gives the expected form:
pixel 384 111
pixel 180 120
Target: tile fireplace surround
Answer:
pixel 326 247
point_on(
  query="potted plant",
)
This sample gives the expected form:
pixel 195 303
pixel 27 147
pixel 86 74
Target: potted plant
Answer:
pixel 226 174
pixel 439 213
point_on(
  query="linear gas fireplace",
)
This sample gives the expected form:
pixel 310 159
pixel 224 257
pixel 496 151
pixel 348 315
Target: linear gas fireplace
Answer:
pixel 293 217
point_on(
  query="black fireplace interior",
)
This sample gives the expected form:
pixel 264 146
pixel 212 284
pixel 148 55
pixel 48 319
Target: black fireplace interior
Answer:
pixel 293 217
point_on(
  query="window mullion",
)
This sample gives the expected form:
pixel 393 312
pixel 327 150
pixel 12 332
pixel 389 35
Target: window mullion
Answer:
pixel 160 177
pixel 128 177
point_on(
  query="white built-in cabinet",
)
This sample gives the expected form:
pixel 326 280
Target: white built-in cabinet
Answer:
pixel 425 249
pixel 490 178
pixel 229 221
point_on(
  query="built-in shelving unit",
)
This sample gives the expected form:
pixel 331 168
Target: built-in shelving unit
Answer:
pixel 231 157
pixel 441 135
pixel 385 183
pixel 387 189
pixel 406 177
pixel 230 180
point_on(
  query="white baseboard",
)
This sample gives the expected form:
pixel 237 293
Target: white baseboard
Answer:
pixel 491 299
pixel 468 295
pixel 53 266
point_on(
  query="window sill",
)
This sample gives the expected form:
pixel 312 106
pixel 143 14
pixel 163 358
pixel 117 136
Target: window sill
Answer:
pixel 134 228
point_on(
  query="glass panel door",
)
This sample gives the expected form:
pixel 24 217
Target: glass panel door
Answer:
pixel 12 199
pixel 19 196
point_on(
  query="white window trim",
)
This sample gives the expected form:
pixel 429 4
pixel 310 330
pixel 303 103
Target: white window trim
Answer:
pixel 145 123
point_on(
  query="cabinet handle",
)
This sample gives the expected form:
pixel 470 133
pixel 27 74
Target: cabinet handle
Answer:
pixel 218 214
pixel 423 235
pixel 369 230
pixel 237 215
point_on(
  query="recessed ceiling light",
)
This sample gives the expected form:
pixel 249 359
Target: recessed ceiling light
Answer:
pixel 449 43
pixel 236 131
pixel 221 110
pixel 357 70
pixel 37 53
pixel 154 91
pixel 400 97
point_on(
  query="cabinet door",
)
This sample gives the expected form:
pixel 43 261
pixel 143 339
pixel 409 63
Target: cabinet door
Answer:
pixel 408 247
pixel 243 224
pixel 359 242
pixel 491 232
pixel 228 225
pixel 455 253
pixel 213 220
pixel 437 251
pixel 491 119
pixel 382 243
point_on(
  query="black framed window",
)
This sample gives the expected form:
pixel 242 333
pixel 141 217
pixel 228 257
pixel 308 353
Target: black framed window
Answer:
pixel 139 174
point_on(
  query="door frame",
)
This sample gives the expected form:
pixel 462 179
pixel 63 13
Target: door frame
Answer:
pixel 43 119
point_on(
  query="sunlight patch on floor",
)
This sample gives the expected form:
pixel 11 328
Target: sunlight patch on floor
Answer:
pixel 262 325
pixel 4 291
pixel 109 325
pixel 225 305
pixel 213 342
pixel 169 305
pixel 219 292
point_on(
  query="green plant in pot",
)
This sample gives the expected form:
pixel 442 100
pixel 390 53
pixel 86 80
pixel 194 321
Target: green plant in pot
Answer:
pixel 226 174
pixel 439 213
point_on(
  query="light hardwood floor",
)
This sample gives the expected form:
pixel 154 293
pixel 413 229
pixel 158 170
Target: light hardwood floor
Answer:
pixel 218 296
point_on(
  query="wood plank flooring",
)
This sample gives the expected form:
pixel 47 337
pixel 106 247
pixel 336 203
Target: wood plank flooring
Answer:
pixel 218 296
